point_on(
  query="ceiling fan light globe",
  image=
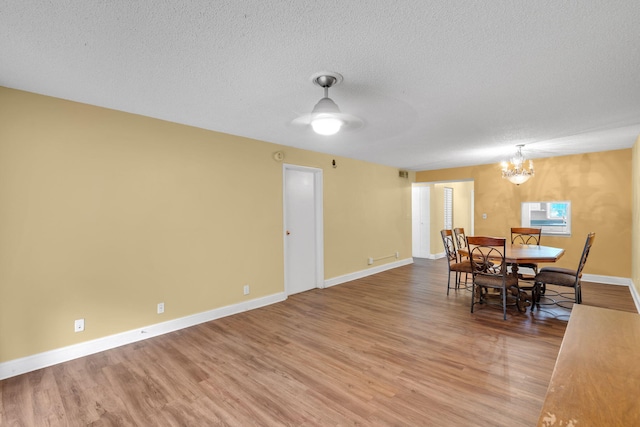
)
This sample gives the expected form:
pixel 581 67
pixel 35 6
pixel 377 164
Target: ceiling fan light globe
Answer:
pixel 326 124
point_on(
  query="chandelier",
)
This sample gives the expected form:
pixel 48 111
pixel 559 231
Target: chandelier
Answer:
pixel 514 170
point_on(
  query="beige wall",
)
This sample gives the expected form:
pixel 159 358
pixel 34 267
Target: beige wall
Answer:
pixel 598 185
pixel 104 214
pixel 462 202
pixel 635 233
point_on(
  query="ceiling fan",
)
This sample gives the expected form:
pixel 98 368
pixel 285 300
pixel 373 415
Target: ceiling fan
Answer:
pixel 326 118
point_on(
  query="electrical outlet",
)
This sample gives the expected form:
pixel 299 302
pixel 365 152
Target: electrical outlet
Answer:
pixel 370 261
pixel 78 325
pixel 160 307
pixel 397 255
pixel 246 289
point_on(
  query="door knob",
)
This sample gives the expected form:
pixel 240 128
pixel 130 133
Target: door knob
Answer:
pixel 288 232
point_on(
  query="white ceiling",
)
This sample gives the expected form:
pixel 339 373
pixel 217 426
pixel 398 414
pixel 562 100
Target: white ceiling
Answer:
pixel 439 83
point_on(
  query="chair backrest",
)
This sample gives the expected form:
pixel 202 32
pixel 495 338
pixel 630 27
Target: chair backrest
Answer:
pixel 585 253
pixel 461 239
pixel 449 246
pixel 526 236
pixel 487 255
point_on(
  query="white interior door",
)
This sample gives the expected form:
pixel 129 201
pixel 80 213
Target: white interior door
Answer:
pixel 303 229
pixel 421 221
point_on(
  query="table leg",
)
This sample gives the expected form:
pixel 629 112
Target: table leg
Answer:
pixel 523 297
pixel 514 270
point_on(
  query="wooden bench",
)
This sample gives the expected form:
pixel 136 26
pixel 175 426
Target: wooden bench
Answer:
pixel 596 380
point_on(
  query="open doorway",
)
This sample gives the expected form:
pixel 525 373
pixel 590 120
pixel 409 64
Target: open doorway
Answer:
pixel 429 214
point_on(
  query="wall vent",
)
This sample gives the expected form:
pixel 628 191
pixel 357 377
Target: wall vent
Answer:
pixel 403 174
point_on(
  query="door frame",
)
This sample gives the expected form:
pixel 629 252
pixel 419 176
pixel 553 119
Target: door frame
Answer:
pixel 319 222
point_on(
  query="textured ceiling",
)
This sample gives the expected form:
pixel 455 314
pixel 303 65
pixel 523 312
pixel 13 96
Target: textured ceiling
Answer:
pixel 438 83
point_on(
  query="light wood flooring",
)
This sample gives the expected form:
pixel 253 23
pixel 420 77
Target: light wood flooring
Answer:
pixel 387 350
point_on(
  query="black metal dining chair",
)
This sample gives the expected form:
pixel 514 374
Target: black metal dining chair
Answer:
pixel 453 262
pixel 461 238
pixel 461 243
pixel 563 277
pixel 526 236
pixel 487 258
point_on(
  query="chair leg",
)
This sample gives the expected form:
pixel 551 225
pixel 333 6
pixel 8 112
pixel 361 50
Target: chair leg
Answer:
pixel 504 303
pixel 473 295
pixel 578 294
pixel 534 296
pixel 536 293
pixel 448 282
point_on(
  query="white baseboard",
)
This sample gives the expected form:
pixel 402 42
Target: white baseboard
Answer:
pixel 64 354
pixel 433 256
pixel 607 280
pixel 368 272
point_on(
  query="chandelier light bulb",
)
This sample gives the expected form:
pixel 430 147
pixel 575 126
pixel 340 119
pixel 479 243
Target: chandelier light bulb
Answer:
pixel 517 162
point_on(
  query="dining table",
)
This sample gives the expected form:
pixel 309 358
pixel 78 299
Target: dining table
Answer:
pixel 530 254
pixel 526 254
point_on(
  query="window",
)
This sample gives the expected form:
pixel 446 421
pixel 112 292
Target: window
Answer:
pixel 554 218
pixel 448 208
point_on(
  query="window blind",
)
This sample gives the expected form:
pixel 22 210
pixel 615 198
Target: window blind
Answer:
pixel 448 208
